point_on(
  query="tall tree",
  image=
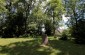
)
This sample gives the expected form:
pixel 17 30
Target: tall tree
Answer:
pixel 54 9
pixel 75 8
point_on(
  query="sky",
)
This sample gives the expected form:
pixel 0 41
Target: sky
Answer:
pixel 64 20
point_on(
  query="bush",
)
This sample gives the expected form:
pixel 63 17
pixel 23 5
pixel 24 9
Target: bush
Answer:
pixel 33 29
pixel 64 37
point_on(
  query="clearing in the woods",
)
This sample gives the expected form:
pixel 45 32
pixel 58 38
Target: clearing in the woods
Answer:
pixel 31 46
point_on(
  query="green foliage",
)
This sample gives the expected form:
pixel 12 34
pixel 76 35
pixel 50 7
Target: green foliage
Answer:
pixel 49 27
pixel 79 32
pixel 55 6
pixel 2 6
pixel 33 29
pixel 64 36
pixel 54 9
pixel 26 16
pixel 76 10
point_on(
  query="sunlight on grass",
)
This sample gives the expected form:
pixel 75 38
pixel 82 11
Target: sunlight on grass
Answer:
pixel 4 41
pixel 49 49
pixel 32 46
pixel 55 52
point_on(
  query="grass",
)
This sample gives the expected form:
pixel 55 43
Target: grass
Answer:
pixel 31 46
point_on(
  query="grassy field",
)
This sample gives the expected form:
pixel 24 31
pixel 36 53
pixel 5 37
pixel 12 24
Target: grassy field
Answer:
pixel 31 46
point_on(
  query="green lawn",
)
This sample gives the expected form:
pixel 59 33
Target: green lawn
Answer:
pixel 31 46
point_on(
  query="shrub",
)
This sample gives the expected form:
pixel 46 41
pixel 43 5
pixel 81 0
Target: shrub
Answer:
pixel 63 37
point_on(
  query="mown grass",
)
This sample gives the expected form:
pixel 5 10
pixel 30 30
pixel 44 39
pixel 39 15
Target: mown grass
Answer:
pixel 31 46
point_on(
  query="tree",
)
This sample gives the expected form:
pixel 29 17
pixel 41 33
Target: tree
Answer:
pixel 54 9
pixel 75 8
pixel 18 16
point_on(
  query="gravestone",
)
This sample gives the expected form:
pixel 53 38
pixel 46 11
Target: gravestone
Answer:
pixel 44 36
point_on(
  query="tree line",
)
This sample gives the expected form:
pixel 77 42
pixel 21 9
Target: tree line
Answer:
pixel 23 17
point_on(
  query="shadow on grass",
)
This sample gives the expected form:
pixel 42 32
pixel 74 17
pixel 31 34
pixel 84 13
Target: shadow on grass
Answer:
pixel 32 47
pixel 67 47
pixel 24 48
